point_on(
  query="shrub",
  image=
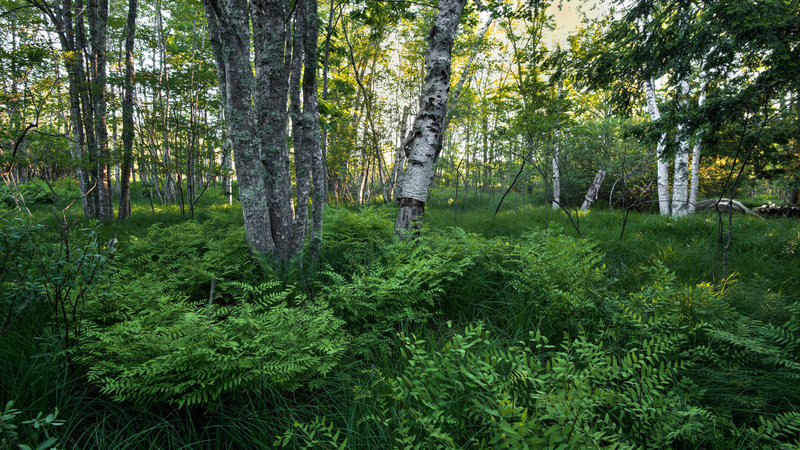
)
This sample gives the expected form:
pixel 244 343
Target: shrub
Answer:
pixel 474 392
pixel 173 351
pixel 552 282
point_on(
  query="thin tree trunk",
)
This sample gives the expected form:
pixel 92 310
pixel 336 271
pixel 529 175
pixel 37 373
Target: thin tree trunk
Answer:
pixel 662 163
pixel 680 178
pixel 694 187
pixel 127 116
pixel 594 189
pixel 98 21
pixel 312 139
pixel 424 142
pixel 302 162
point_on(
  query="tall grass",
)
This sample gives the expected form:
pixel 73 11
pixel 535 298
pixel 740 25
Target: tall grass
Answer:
pixel 765 260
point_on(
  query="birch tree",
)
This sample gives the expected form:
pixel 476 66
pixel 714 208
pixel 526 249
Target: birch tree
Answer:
pixel 423 144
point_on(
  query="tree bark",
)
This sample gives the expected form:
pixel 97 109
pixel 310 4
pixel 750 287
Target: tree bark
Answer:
pixel 302 163
pixel 272 63
pixel 98 23
pixel 694 187
pixel 424 142
pixel 594 189
pixel 127 116
pixel 662 163
pixel 229 21
pixel 680 178
pixel 312 139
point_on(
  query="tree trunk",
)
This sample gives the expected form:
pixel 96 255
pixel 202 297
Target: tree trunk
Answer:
pixel 694 187
pixel 424 143
pixel 680 178
pixel 302 163
pixel 231 28
pixel 272 63
pixel 312 139
pixel 594 189
pixel 127 117
pixel 98 22
pixel 662 163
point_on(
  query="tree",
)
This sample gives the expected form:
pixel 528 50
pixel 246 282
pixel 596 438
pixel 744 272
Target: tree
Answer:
pixel 423 144
pixel 127 115
pixel 256 114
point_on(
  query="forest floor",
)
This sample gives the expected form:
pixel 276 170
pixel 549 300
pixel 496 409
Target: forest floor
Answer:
pixel 524 328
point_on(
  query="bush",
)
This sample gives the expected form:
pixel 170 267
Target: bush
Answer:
pixel 173 351
pixel 544 281
pixel 183 260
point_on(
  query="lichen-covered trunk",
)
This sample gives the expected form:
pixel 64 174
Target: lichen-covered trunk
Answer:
pixel 311 139
pixel 127 116
pixel 229 21
pixel 272 83
pixel 594 189
pixel 98 22
pixel 680 177
pixel 424 142
pixel 662 163
pixel 302 160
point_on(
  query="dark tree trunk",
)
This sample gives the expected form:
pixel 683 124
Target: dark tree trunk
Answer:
pixel 312 140
pixel 127 116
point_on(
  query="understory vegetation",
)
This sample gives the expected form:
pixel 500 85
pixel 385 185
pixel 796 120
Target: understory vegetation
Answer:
pixel 486 332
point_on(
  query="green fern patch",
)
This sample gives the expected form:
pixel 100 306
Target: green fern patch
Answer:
pixel 175 352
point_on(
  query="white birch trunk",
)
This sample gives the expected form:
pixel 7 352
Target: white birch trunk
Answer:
pixel 680 183
pixel 695 170
pixel 556 177
pixel 594 190
pixel 662 163
pixel 424 143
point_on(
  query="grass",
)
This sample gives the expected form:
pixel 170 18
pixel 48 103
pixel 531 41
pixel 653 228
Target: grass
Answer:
pixel 764 263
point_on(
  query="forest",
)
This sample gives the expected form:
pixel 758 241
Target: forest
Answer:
pixel 230 224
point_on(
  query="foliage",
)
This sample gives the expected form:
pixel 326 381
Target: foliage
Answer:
pixel 183 259
pixel 173 351
pixel 651 375
pixel 61 268
pixel 160 337
pixel 538 279
pixel 9 435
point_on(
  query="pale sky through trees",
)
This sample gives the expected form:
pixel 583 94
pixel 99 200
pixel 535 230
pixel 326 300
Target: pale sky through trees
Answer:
pixel 567 16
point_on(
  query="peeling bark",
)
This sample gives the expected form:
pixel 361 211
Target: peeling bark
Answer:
pixel 594 189
pixel 662 163
pixel 424 142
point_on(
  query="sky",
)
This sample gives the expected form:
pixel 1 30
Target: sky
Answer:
pixel 568 17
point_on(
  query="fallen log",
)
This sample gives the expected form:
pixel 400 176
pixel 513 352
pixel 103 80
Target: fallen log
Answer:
pixel 724 205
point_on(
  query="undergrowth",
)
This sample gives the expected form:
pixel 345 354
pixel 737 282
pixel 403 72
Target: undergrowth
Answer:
pixel 493 334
